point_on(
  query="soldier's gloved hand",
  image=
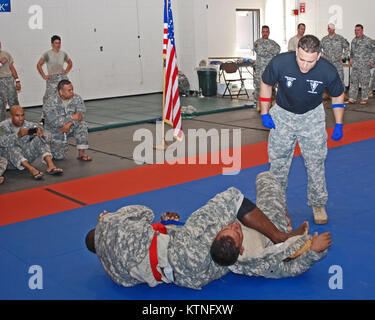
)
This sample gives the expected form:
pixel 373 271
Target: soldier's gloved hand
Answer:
pixel 267 121
pixel 337 132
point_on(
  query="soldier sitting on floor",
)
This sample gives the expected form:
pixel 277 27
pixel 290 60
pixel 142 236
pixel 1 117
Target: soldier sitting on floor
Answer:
pixel 23 142
pixel 64 113
pixel 132 250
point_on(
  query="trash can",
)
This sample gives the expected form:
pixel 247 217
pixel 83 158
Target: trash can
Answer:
pixel 207 81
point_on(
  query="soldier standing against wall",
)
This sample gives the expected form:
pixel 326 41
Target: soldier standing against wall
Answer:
pixel 362 57
pixel 372 79
pixel 9 83
pixel 293 42
pixel 265 49
pixel 334 48
pixel 55 59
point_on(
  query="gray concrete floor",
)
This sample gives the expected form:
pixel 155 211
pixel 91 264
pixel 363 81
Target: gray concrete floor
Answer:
pixel 112 149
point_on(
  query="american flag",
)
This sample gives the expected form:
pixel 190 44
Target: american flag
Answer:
pixel 172 108
pixel 165 40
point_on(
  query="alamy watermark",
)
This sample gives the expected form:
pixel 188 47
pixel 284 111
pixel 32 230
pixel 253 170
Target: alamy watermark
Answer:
pixel 337 13
pixel 336 282
pixel 36 280
pixel 185 151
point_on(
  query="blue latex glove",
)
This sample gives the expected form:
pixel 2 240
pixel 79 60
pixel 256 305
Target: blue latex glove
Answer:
pixel 337 132
pixel 267 121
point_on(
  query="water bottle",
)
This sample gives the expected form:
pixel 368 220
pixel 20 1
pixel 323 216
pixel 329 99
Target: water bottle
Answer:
pixel 200 93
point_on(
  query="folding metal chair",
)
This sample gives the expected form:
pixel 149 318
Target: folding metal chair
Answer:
pixel 231 68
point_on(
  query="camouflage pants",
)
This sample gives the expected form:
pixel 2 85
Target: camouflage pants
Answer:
pixel 340 70
pixel 258 71
pixel 359 76
pixel 3 106
pixel 9 95
pixel 372 81
pixel 28 152
pixel 3 164
pixel 51 85
pixel 59 142
pixel 310 132
pixel 271 199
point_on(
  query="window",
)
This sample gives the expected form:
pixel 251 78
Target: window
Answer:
pixel 247 29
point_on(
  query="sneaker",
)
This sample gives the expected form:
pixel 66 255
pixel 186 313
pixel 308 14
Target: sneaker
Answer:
pixel 370 94
pixel 349 101
pixel 320 215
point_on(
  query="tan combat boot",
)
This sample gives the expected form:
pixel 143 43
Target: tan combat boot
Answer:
pixel 320 215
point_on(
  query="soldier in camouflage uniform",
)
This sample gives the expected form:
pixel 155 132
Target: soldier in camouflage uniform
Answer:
pixel 9 83
pixel 265 50
pixel 64 113
pixel 4 143
pixel 362 58
pixel 3 167
pixel 372 78
pixel 334 48
pixel 3 105
pixel 299 116
pixel 21 147
pixel 261 257
pixel 123 239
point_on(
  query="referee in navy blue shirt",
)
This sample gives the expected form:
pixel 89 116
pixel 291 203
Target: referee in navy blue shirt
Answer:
pixel 299 116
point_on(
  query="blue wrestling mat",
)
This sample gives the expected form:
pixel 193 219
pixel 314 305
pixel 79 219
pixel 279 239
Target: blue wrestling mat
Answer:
pixel 55 243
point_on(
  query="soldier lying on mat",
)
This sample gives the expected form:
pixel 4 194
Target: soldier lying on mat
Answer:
pixel 132 250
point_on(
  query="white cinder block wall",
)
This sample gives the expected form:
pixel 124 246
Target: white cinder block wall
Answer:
pixel 345 14
pixel 191 37
pixel 221 24
pixel 85 26
pixel 203 28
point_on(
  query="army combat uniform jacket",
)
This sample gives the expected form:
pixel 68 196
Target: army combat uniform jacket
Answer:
pixel 26 148
pixel 56 114
pixel 122 241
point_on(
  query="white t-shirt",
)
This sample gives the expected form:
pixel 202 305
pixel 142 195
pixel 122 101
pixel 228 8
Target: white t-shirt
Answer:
pixel 55 61
pixel 292 44
pixel 142 271
pixel 253 242
pixel 4 69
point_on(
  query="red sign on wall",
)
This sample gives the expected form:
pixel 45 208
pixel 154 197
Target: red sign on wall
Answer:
pixel 302 7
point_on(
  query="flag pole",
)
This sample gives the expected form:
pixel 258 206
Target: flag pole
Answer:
pixel 163 145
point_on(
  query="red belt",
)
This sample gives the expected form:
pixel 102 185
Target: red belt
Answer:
pixel 154 250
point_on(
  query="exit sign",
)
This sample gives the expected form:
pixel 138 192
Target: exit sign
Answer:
pixel 4 5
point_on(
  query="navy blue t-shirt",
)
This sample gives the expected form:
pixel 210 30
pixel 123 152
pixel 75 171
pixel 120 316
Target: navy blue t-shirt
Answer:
pixel 299 92
pixel 246 207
